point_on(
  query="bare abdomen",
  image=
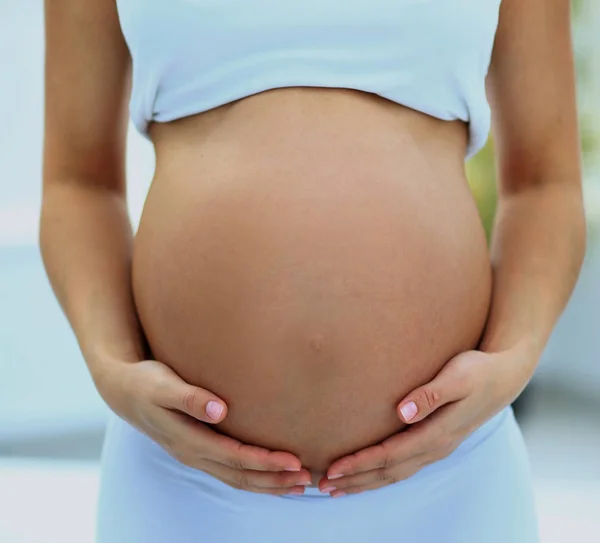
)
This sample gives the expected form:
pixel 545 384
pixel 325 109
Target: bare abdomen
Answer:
pixel 310 294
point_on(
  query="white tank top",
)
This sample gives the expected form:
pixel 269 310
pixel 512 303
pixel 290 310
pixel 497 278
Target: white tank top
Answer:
pixel 190 56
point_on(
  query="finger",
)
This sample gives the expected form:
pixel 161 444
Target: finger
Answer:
pixel 297 490
pixel 258 481
pixel 395 450
pixel 201 442
pixel 237 455
pixel 370 480
pixel 173 392
pixel 445 388
pixel 398 457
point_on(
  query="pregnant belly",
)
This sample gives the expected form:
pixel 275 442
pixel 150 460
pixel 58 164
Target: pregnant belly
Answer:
pixel 310 289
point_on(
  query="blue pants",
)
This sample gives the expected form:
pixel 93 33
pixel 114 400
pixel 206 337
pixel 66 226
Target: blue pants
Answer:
pixel 481 493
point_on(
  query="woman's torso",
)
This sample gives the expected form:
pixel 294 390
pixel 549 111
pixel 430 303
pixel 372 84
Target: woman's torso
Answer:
pixel 310 255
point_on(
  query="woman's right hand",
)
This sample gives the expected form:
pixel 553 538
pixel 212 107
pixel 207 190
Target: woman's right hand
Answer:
pixel 154 399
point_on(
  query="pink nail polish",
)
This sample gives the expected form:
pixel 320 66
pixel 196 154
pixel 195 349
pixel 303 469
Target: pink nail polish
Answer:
pixel 409 410
pixel 335 476
pixel 328 489
pixel 292 469
pixel 214 410
pixel 339 495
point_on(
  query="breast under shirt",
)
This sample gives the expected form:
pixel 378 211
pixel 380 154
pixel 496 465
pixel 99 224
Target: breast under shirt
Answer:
pixel 190 56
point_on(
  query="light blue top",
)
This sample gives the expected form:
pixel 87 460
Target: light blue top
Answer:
pixel 190 56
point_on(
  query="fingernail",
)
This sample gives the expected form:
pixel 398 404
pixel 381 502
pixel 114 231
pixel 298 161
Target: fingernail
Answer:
pixel 335 476
pixel 297 492
pixel 305 483
pixel 214 410
pixel 292 469
pixel 328 489
pixel 338 494
pixel 409 410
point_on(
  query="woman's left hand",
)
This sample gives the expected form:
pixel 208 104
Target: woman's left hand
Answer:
pixel 469 390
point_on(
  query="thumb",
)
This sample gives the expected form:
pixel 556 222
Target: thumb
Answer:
pixel 175 393
pixel 201 404
pixel 424 400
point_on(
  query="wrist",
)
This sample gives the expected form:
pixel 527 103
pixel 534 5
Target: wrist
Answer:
pixel 516 366
pixel 110 376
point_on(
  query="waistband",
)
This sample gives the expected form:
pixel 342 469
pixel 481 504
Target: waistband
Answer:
pixel 123 439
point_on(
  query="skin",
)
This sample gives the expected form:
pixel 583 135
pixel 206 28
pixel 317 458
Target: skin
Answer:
pixel 87 246
pixel 308 265
pixel 86 242
pixel 537 249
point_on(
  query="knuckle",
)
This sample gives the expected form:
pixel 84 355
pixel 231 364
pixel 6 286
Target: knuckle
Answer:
pixel 267 461
pixel 243 482
pixel 429 398
pixel 189 401
pixel 386 459
pixel 387 476
pixel 387 462
pixel 235 463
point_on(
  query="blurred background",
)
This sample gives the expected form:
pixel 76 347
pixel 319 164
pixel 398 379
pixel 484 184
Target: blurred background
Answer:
pixel 52 420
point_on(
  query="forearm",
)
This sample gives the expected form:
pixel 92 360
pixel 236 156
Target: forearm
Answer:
pixel 86 245
pixel 537 251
